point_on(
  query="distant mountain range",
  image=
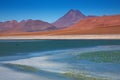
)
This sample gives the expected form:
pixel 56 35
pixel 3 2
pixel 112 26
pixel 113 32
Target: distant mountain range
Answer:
pixel 72 23
pixel 25 26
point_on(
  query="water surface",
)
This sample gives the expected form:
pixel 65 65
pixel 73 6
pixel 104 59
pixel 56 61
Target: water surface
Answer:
pixel 53 59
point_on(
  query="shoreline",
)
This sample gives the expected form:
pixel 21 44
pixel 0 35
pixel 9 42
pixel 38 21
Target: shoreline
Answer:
pixel 114 36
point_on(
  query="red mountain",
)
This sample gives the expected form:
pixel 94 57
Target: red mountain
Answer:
pixel 70 18
pixel 8 26
pixel 96 25
pixel 25 26
pixel 87 25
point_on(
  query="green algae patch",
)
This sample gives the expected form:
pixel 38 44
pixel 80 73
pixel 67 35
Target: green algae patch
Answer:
pixel 82 76
pixel 101 56
pixel 23 67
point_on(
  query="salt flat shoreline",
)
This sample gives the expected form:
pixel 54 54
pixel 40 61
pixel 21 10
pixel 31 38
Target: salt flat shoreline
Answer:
pixel 117 36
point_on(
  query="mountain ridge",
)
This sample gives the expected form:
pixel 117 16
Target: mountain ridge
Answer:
pixel 87 25
pixel 96 25
pixel 70 18
pixel 25 26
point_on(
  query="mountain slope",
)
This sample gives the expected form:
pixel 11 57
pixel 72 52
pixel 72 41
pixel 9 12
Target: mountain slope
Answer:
pixel 25 26
pixel 8 26
pixel 69 19
pixel 91 25
pixel 96 25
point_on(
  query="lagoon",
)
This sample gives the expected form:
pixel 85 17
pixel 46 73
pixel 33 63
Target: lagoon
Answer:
pixel 59 59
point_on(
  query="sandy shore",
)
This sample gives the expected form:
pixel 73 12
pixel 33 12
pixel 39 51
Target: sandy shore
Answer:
pixel 63 37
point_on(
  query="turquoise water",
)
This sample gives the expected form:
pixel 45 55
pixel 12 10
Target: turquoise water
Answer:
pixel 14 47
pixel 52 59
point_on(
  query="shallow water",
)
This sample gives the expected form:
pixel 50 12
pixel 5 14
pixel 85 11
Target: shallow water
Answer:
pixel 52 58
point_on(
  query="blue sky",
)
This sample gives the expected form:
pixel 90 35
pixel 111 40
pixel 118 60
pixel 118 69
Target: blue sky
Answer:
pixel 51 10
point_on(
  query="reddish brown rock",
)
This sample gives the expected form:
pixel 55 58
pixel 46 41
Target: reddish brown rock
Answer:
pixel 25 26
